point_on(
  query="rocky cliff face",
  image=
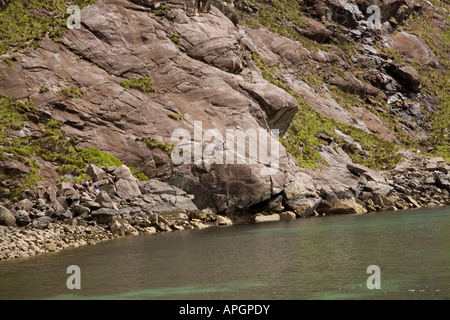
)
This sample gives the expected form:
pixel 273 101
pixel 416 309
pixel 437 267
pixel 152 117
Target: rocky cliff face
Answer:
pixel 345 99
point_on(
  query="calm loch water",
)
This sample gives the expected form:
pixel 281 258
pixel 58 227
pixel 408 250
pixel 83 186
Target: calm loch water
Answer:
pixel 314 258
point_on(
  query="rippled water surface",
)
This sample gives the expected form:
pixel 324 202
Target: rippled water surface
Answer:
pixel 314 258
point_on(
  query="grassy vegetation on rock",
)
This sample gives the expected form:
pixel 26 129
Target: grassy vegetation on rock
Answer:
pixel 436 80
pixel 51 144
pixel 156 144
pixel 301 138
pixel 72 92
pixel 25 23
pixel 175 116
pixel 144 84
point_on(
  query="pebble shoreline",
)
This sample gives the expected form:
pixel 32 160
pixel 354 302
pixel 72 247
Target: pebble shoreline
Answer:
pixel 21 242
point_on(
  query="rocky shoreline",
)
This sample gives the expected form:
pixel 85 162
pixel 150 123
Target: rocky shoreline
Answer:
pixel 21 242
pixel 51 219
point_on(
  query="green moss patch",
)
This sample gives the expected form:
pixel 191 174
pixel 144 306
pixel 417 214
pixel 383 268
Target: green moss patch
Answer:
pixel 175 116
pixel 156 144
pixel 144 84
pixel 72 92
pixel 101 159
pixel 175 38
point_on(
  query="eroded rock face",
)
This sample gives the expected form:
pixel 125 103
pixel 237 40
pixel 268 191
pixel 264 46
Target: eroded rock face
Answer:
pixel 202 40
pixel 202 71
pixel 209 84
pixel 412 47
pixel 279 106
pixel 129 43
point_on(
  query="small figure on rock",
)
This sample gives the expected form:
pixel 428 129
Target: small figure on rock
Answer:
pixel 96 189
pixel 86 185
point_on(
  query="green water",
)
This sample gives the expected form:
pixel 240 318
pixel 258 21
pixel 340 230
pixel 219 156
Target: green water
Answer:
pixel 314 258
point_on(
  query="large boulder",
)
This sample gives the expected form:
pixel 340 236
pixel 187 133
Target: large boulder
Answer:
pixel 104 215
pixel 378 188
pixel 202 40
pixel 12 167
pixel 442 180
pixel 300 195
pixel 127 189
pixel 279 105
pixel 228 188
pixel 96 173
pixel 127 185
pixel 23 220
pixel 368 174
pixel 345 13
pixel 154 186
pixel 6 217
pixel 79 209
pixel 338 201
pixel 314 30
pixel 161 198
pixel 412 47
pixel 25 204
pixel 105 201
pixel 407 76
pixel 124 172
